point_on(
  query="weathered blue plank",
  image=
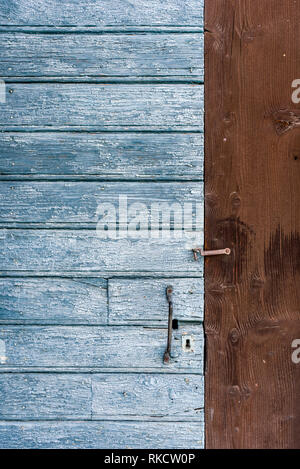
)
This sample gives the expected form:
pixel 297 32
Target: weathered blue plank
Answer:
pixel 61 251
pixel 100 347
pixel 48 396
pixel 53 301
pixel 84 301
pixel 85 106
pixel 112 55
pixel 77 202
pixel 143 301
pixel 125 396
pixel 103 435
pixel 117 396
pixel 109 156
pixel 102 12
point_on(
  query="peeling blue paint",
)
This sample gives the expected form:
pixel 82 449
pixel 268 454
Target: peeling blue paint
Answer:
pixel 105 98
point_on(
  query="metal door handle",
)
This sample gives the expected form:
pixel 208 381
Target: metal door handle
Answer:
pixel 167 354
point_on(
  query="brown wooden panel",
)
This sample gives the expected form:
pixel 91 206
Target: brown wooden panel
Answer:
pixel 252 176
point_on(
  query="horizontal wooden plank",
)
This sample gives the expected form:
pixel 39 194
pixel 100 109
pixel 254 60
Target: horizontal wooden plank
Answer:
pixel 44 396
pixel 103 107
pixel 84 301
pixel 53 301
pixel 98 346
pixel 108 156
pixel 48 396
pixel 102 435
pixel 82 250
pixel 86 29
pixel 105 80
pixel 109 55
pixel 102 13
pixel 77 274
pixel 81 202
pixel 143 301
pixel 170 397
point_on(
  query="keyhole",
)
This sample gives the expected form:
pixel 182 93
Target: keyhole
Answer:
pixel 188 343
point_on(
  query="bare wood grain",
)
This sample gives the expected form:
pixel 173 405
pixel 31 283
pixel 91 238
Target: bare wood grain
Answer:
pixel 252 205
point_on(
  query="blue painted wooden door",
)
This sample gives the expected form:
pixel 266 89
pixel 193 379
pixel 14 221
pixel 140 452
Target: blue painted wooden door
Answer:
pixel 102 105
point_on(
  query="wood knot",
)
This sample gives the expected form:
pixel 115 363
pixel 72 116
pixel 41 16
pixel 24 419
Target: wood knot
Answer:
pixel 285 120
pixel 234 336
pixel 235 201
pixel 234 392
pixel 256 282
pixel 211 200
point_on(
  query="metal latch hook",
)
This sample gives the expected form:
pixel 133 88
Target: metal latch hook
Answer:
pixel 215 252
